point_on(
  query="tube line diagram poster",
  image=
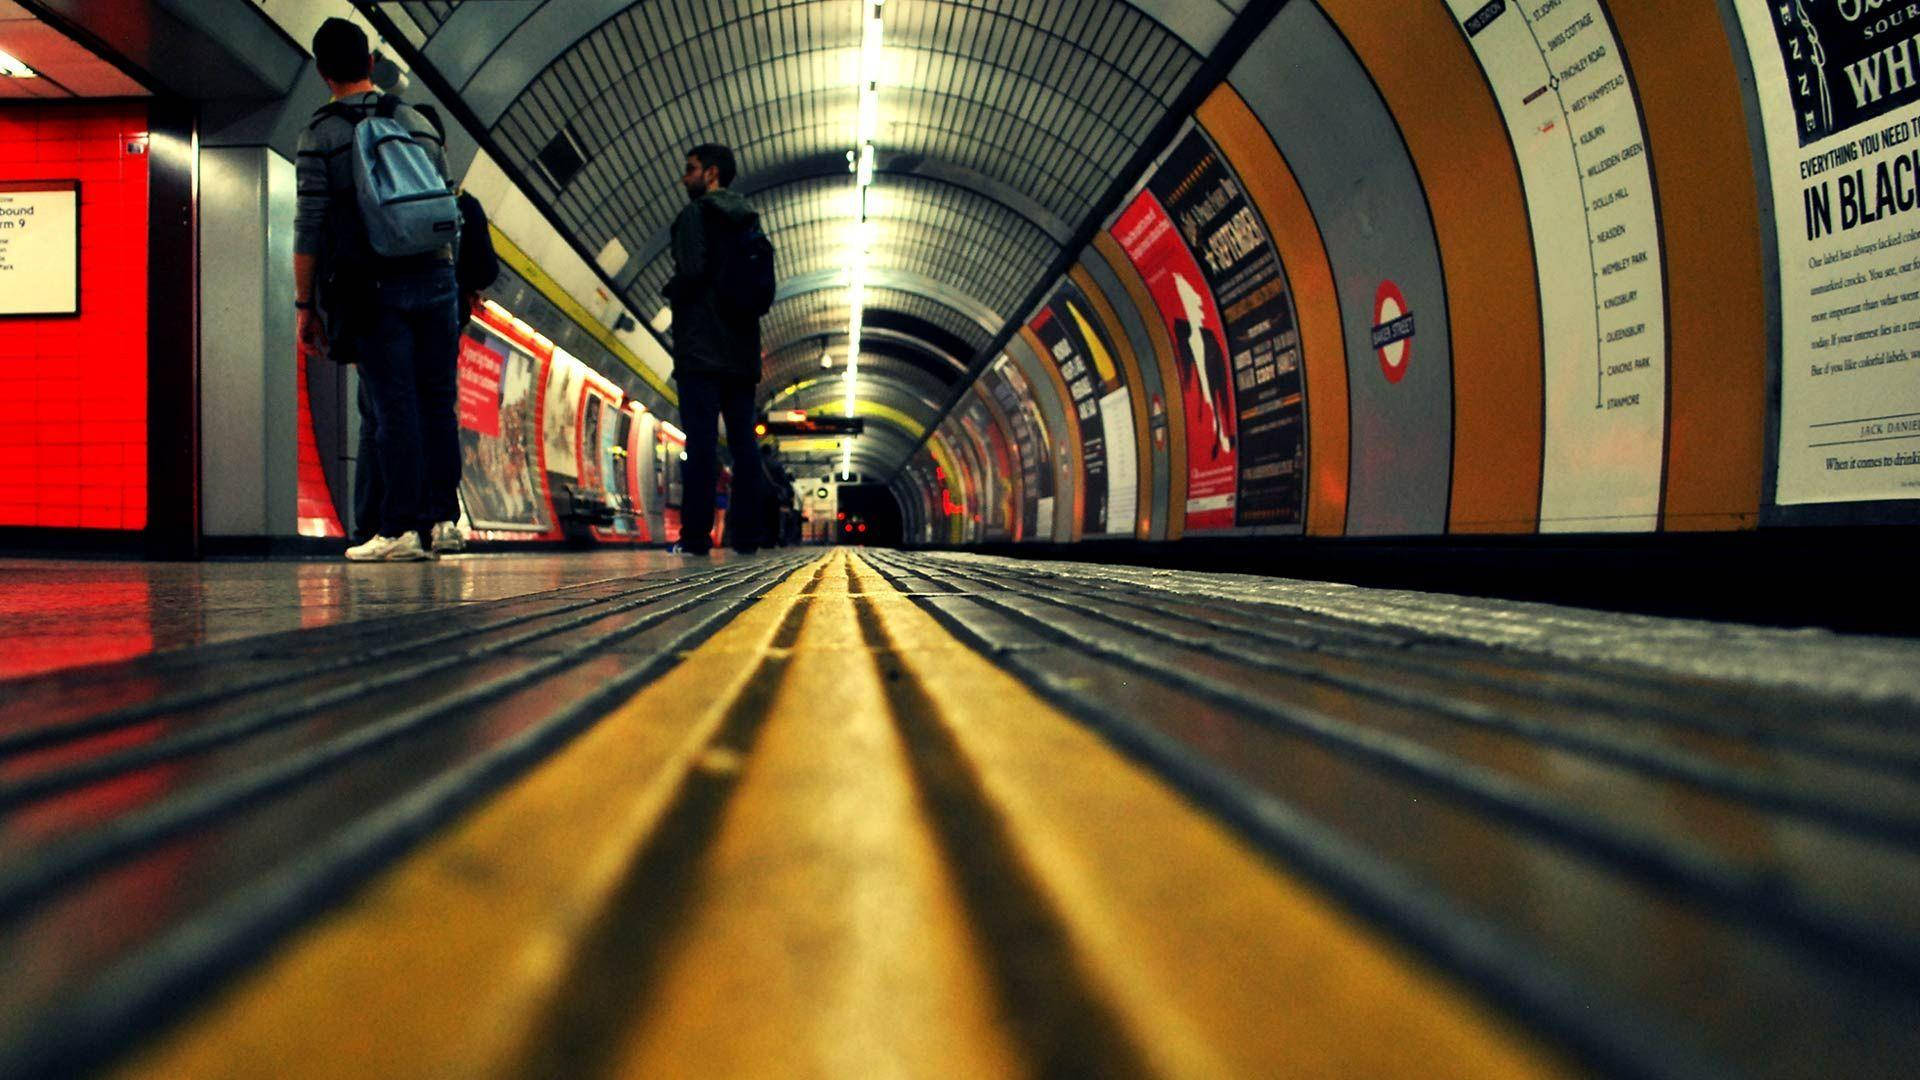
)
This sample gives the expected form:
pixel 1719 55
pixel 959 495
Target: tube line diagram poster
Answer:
pixel 1839 89
pixel 1562 83
pixel 1086 361
pixel 1218 281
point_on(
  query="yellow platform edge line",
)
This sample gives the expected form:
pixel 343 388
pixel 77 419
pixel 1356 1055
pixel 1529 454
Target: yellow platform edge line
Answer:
pixel 544 284
pixel 446 965
pixel 1215 962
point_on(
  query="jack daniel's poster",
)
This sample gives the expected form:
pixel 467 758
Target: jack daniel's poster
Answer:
pixel 1839 89
pixel 1847 61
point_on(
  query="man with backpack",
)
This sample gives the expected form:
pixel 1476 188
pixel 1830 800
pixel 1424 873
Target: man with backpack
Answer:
pixel 475 266
pixel 722 283
pixel 374 237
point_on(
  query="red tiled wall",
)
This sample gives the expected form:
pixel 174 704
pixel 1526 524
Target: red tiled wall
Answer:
pixel 73 390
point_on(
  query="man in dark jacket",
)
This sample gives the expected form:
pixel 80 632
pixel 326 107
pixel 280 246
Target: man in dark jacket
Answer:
pixel 716 353
pixel 392 316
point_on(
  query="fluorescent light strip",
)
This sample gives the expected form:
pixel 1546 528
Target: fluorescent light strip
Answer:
pixel 861 161
pixel 12 67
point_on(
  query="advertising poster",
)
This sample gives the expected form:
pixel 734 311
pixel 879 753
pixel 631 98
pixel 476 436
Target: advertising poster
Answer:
pixel 1562 84
pixel 970 442
pixel 590 471
pixel 616 428
pixel 996 513
pixel 1839 89
pixel 642 479
pixel 1123 464
pixel 499 418
pixel 1218 282
pixel 478 387
pixel 1009 388
pixel 1086 361
pixel 561 417
pixel 1006 511
pixel 39 247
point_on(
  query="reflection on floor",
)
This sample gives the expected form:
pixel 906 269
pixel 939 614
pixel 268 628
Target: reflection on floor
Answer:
pixel 64 613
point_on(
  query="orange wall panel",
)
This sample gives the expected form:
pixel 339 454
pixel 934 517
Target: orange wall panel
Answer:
pixel 1458 139
pixel 1716 293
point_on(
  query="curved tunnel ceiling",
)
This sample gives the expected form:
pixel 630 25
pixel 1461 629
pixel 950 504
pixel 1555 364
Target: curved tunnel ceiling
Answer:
pixel 1001 126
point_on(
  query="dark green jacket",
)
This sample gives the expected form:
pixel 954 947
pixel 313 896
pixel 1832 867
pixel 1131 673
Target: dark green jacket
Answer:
pixel 706 340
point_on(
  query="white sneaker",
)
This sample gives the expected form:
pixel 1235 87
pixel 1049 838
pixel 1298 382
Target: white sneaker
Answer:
pixel 403 548
pixel 448 538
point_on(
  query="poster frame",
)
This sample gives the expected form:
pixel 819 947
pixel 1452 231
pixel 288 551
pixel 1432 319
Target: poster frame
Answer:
pixel 1773 513
pixel 79 253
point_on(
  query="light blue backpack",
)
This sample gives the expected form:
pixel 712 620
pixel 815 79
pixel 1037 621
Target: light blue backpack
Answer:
pixel 405 203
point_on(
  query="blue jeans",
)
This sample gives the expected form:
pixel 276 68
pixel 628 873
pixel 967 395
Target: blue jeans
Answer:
pixel 407 354
pixel 704 400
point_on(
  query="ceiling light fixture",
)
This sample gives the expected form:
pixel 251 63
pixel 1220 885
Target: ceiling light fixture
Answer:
pixel 12 67
pixel 860 237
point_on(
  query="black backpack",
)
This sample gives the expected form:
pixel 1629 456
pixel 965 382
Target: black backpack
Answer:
pixel 743 273
pixel 478 265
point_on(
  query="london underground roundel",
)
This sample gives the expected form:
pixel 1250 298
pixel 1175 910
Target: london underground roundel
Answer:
pixel 1392 331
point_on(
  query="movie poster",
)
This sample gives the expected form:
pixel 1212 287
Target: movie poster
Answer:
pixel 1094 379
pixel 1218 282
pixel 1839 89
pixel 498 421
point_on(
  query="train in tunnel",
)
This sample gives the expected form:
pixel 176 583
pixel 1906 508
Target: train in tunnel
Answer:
pixel 552 450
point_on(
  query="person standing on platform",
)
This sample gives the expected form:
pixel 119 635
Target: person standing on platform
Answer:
pixel 475 266
pixel 722 283
pixel 392 314
pixel 778 495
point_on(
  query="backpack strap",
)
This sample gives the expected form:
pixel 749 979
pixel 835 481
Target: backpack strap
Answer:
pixel 386 106
pixel 333 108
pixel 352 114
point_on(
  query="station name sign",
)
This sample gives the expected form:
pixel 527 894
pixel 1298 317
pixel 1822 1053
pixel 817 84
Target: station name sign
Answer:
pixel 39 247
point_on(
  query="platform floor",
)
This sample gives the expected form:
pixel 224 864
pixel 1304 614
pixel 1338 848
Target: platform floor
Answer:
pixel 59 613
pixel 869 813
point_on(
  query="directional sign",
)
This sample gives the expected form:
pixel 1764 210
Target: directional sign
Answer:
pixel 819 425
